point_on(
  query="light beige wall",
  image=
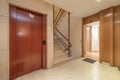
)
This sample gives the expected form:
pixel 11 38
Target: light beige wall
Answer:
pixel 76 38
pixel 33 5
pixel 4 40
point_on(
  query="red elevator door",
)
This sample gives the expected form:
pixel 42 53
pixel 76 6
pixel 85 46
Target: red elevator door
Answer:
pixel 26 33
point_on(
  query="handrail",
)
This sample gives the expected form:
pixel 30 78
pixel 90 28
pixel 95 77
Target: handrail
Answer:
pixel 59 17
pixel 60 33
pixel 61 41
pixel 58 14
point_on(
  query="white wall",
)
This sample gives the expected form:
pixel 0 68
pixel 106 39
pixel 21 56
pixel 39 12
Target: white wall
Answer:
pixel 33 5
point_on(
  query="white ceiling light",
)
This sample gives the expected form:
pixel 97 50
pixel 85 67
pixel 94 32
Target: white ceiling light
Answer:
pixel 99 0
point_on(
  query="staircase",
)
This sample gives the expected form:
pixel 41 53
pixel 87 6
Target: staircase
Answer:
pixel 62 44
pixel 59 54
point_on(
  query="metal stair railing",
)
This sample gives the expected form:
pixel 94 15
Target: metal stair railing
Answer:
pixel 58 17
pixel 63 40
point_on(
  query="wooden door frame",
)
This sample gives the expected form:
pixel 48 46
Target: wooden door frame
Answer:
pixel 86 20
pixel 84 40
pixel 44 37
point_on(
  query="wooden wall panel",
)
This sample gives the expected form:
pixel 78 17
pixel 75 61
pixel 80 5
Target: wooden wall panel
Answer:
pixel 109 34
pixel 117 36
pixel 92 18
pixel 106 36
pixel 95 17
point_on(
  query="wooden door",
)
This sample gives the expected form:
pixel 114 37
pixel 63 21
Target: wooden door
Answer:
pixel 117 37
pixel 27 32
pixel 106 36
pixel 24 41
pixel 36 36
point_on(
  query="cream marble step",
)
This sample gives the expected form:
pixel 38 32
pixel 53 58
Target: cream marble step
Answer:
pixel 58 51
pixel 61 58
pixel 59 54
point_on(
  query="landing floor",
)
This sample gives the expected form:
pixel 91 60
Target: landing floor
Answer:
pixel 76 70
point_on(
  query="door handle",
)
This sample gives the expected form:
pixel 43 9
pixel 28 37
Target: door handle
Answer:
pixel 44 42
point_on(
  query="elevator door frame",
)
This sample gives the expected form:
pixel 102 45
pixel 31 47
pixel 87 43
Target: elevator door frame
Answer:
pixel 44 37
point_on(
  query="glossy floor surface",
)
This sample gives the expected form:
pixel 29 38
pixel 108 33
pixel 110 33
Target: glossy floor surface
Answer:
pixel 76 70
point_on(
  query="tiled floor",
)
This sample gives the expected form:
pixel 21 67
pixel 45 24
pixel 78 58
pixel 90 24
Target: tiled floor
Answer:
pixel 76 70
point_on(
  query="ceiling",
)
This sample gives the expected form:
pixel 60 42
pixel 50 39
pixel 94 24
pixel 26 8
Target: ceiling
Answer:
pixel 83 8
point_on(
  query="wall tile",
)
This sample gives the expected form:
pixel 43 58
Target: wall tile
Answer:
pixel 4 33
pixel 4 65
pixel 4 7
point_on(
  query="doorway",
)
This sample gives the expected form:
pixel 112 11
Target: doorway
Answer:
pixel 92 40
pixel 27 42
